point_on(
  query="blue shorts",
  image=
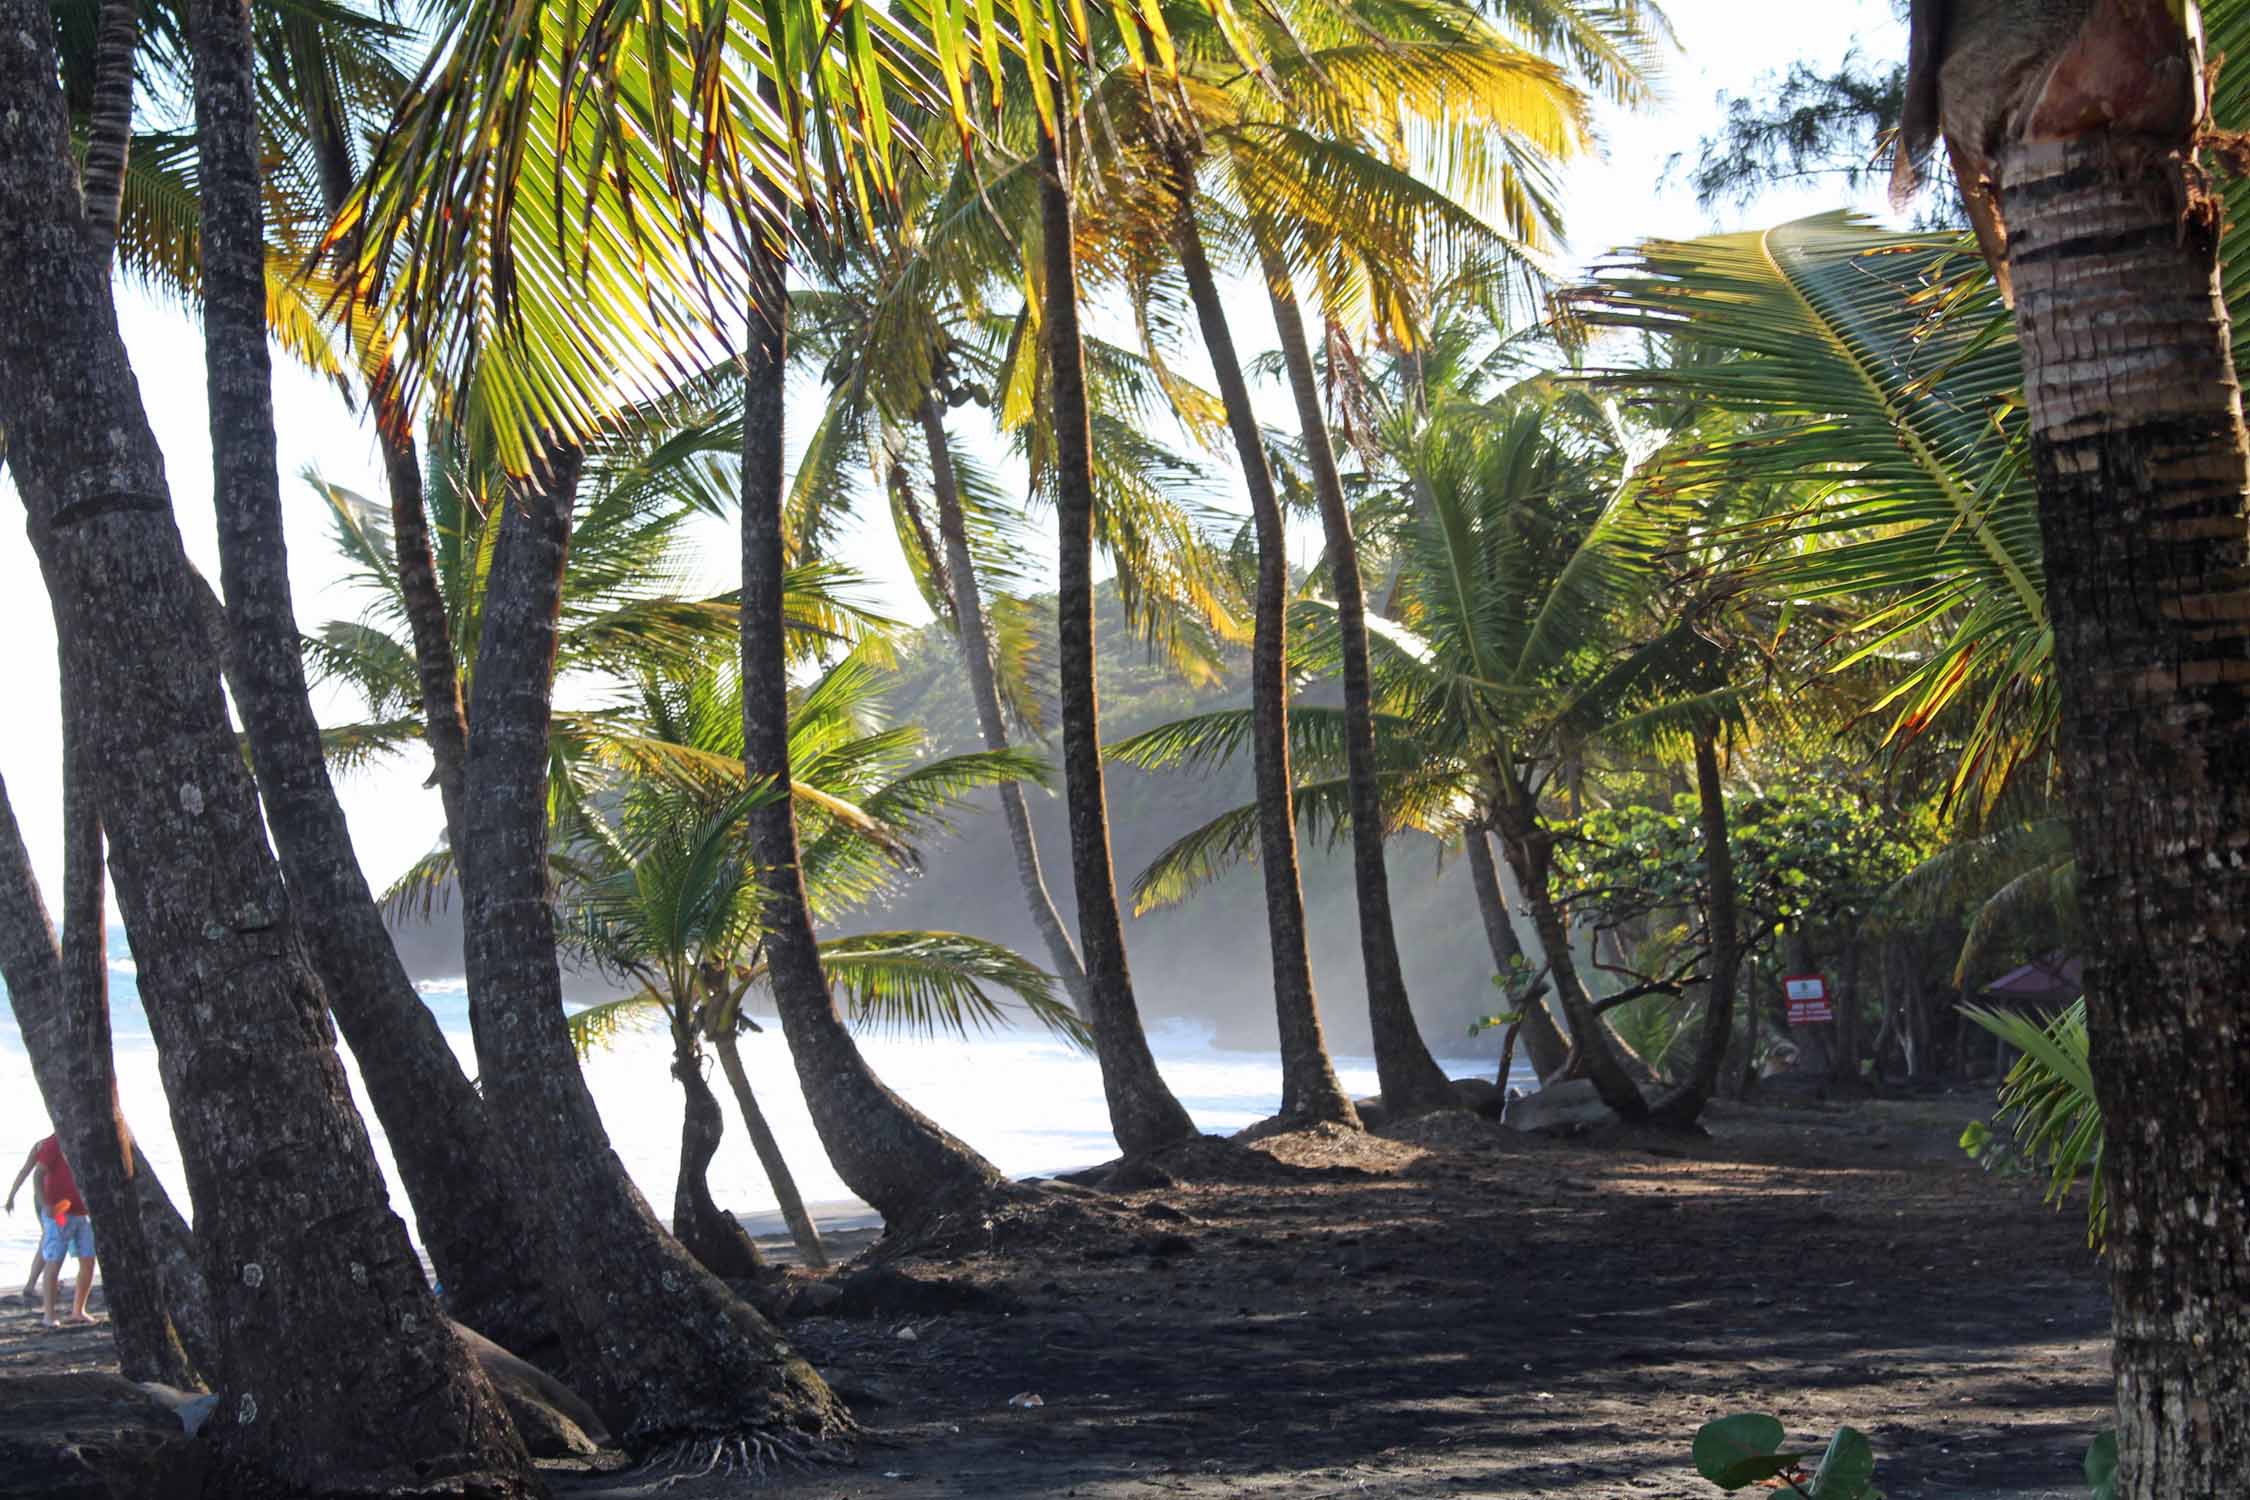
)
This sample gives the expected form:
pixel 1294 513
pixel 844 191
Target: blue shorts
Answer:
pixel 77 1239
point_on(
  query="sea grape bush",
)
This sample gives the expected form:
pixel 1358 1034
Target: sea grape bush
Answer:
pixel 1738 1452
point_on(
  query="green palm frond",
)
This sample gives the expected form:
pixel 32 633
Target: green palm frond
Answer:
pixel 1881 377
pixel 595 1027
pixel 2049 1098
pixel 931 983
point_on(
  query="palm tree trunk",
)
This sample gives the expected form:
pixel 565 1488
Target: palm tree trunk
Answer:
pixel 713 1236
pixel 975 636
pixel 888 1152
pixel 1310 1090
pixel 444 728
pixel 65 1026
pixel 1412 1081
pixel 179 1270
pixel 778 1176
pixel 109 126
pixel 2138 442
pixel 471 1225
pixel 660 1347
pixel 1529 847
pixel 1143 1114
pixel 335 1370
pixel 1686 1102
pixel 1549 1052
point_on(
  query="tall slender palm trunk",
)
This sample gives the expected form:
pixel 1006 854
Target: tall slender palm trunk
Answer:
pixel 471 1225
pixel 778 1175
pixel 1143 1113
pixel 1310 1090
pixel 974 634
pixel 334 1370
pixel 1411 1079
pixel 1549 1052
pixel 713 1236
pixel 2143 480
pixel 66 1035
pixel 1683 1105
pixel 444 725
pixel 660 1347
pixel 897 1159
pixel 1529 846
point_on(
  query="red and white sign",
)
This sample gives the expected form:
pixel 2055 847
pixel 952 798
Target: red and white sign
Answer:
pixel 1808 1000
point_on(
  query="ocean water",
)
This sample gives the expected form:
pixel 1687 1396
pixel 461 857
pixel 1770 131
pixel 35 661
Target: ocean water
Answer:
pixel 1028 1101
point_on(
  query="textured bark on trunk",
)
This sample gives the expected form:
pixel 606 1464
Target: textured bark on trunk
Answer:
pixel 471 1225
pixel 444 726
pixel 335 1370
pixel 1143 1114
pixel 778 1177
pixel 2138 441
pixel 65 1028
pixel 1549 1051
pixel 658 1345
pixel 109 126
pixel 1411 1079
pixel 1529 846
pixel 713 1236
pixel 179 1269
pixel 888 1152
pixel 1682 1106
pixel 1310 1091
pixel 975 636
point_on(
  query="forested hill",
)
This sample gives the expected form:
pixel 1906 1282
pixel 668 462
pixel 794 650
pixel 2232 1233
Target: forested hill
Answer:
pixel 1205 959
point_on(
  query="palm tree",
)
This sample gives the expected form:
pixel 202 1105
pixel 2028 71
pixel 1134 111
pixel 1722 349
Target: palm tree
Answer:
pixel 2138 446
pixel 1607 50
pixel 666 898
pixel 197 886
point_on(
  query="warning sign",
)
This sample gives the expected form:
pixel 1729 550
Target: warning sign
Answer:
pixel 1808 1000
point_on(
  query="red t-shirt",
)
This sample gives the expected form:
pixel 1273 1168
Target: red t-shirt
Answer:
pixel 60 1184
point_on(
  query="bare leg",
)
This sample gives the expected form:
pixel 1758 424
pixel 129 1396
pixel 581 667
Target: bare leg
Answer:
pixel 31 1282
pixel 48 1292
pixel 82 1291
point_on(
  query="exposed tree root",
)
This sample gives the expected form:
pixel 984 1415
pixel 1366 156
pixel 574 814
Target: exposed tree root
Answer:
pixel 748 1456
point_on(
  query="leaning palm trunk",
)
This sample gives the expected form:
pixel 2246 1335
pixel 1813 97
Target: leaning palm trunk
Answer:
pixel 1549 1052
pixel 893 1156
pixel 778 1176
pixel 470 1223
pixel 65 1030
pixel 662 1349
pixel 334 1369
pixel 713 1236
pixel 975 637
pixel 1682 1106
pixel 1529 846
pixel 1143 1113
pixel 1411 1079
pixel 1310 1091
pixel 2138 441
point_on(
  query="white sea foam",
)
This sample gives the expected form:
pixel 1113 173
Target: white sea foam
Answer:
pixel 1028 1101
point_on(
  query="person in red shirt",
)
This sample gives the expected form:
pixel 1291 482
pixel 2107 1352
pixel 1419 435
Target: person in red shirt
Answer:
pixel 65 1231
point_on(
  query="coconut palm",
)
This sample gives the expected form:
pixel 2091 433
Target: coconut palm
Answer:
pixel 663 894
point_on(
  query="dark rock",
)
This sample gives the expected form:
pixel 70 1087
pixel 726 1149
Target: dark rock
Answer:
pixel 814 1299
pixel 554 1420
pixel 880 1292
pixel 93 1436
pixel 1559 1109
pixel 1159 1246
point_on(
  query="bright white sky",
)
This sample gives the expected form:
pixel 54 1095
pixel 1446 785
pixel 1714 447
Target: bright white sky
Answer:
pixel 1727 46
